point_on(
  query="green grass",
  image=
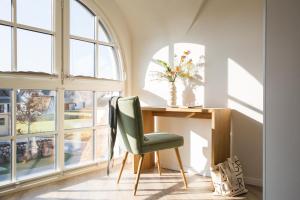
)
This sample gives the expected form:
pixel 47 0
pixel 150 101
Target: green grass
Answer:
pixel 47 126
pixel 35 163
pixel 31 164
pixel 35 127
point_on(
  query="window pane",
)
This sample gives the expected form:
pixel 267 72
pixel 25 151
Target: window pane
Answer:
pixel 5 112
pixel 5 10
pixel 35 111
pixel 81 20
pixel 78 147
pixel 102 143
pixel 81 58
pixel 35 13
pixel 102 34
pixel 5 161
pixel 108 67
pixel 102 99
pixel 78 109
pixel 35 156
pixel 5 48
pixel 34 51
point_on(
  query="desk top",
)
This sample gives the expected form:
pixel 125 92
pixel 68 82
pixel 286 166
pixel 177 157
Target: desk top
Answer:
pixel 171 109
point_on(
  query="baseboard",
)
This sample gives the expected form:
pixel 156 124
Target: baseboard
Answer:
pixel 248 180
pixel 253 181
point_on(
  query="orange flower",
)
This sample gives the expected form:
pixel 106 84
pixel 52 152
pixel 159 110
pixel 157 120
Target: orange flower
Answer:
pixel 177 69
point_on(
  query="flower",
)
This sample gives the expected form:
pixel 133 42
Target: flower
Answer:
pixel 182 59
pixel 186 52
pixel 177 69
pixel 183 70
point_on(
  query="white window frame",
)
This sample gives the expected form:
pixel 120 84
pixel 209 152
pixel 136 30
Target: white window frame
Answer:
pixel 58 81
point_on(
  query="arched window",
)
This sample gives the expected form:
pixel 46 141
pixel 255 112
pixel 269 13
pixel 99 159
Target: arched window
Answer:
pixel 92 50
pixel 59 65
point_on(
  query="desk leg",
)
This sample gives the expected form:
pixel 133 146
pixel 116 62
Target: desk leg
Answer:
pixel 148 123
pixel 221 123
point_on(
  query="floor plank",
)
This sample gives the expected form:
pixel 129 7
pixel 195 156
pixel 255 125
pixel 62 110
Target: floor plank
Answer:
pixel 97 185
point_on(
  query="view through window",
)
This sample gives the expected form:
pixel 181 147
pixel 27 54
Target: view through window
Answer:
pixel 54 114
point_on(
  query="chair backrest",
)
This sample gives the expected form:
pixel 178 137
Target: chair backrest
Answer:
pixel 130 123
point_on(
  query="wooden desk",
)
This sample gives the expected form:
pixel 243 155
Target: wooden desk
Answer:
pixel 220 129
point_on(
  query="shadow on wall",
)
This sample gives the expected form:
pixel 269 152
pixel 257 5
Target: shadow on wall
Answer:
pixel 190 91
pixel 245 97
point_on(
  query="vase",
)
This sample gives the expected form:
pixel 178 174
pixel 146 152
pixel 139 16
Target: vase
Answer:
pixel 172 94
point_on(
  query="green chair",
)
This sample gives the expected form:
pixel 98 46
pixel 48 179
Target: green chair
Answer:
pixel 130 123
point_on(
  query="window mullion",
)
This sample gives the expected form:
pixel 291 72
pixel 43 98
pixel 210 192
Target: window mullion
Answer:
pixel 96 48
pixel 94 125
pixel 6 23
pixel 60 129
pixel 37 134
pixel 13 134
pixel 83 39
pixel 65 39
pixel 6 138
pixel 96 60
pixel 77 129
pixel 14 36
pixel 105 44
pixel 34 29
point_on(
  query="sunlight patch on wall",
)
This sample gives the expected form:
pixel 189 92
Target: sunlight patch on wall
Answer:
pixel 159 88
pixel 198 153
pixel 190 92
pixel 257 116
pixel 245 92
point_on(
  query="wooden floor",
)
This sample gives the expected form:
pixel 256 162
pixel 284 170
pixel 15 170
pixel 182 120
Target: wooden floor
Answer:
pixel 97 185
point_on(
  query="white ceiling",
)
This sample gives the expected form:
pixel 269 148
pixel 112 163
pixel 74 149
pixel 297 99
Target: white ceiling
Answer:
pixel 144 16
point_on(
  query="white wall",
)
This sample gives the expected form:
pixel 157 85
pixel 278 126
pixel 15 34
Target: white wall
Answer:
pixel 232 33
pixel 282 137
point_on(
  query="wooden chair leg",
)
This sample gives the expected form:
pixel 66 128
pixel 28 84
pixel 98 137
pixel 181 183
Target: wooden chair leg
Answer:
pixel 158 162
pixel 122 167
pixel 181 168
pixel 138 173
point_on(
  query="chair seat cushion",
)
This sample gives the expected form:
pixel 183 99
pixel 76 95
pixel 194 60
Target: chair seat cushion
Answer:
pixel 160 141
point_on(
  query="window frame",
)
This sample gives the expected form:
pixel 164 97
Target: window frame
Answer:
pixel 59 82
pixel 99 19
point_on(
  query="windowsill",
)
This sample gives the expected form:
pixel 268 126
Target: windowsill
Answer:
pixel 52 177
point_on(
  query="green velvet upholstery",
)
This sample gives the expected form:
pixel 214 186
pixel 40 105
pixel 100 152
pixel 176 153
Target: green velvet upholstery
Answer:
pixel 130 123
pixel 160 141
